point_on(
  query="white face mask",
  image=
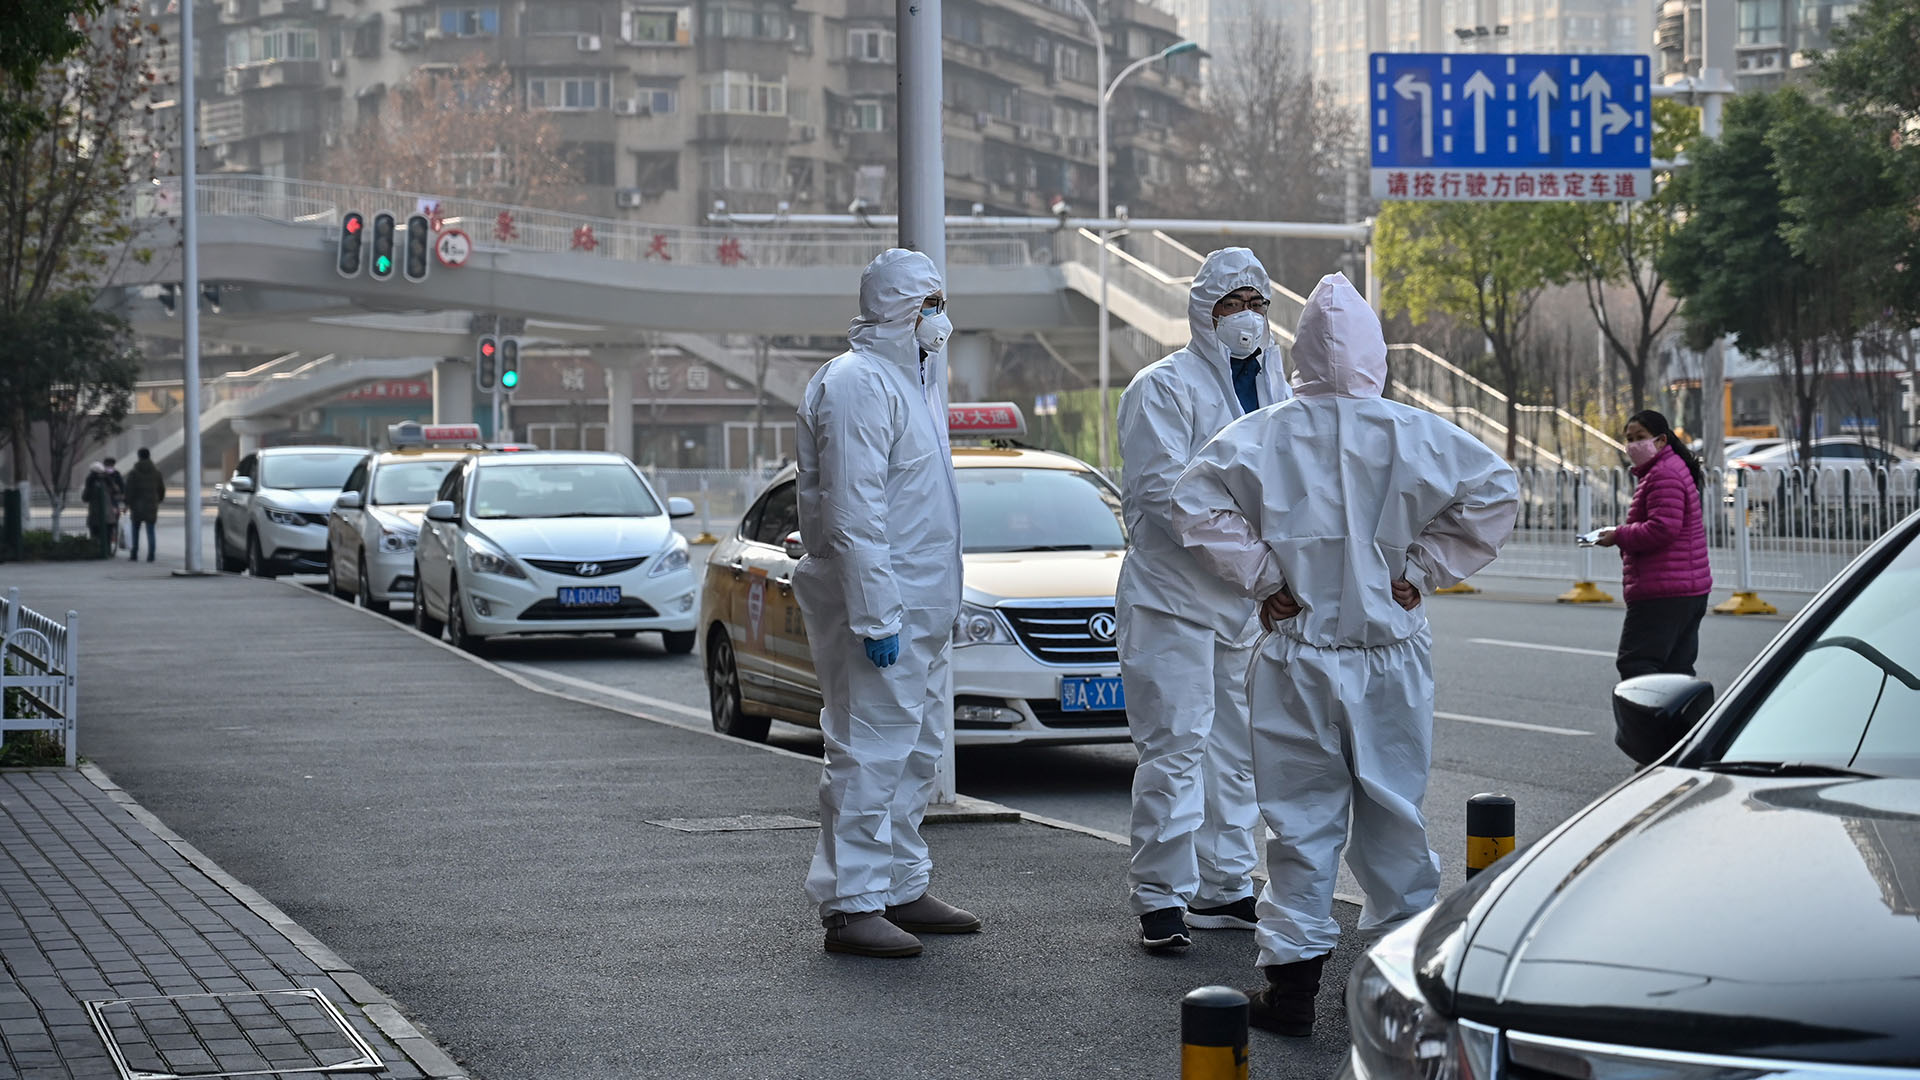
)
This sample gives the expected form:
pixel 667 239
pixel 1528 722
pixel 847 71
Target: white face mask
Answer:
pixel 1243 333
pixel 933 331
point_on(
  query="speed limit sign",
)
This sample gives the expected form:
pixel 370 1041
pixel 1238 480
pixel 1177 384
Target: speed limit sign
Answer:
pixel 452 248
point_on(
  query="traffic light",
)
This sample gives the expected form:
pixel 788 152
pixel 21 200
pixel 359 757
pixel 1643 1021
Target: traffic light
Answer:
pixel 486 364
pixel 419 249
pixel 353 233
pixel 382 265
pixel 509 364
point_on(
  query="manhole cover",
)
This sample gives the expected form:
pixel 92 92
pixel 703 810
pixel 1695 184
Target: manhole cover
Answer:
pixel 742 823
pixel 241 1034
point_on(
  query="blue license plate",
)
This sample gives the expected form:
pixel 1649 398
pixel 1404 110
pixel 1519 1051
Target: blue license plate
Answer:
pixel 590 596
pixel 1092 694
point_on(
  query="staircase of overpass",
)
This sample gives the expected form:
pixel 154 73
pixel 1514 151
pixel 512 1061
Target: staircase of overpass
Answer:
pixel 696 286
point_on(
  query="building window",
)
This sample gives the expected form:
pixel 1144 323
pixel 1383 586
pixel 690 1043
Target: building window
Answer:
pixel 479 170
pixel 470 21
pixel 657 101
pixel 655 171
pixel 769 24
pixel 1071 63
pixel 579 95
pixel 739 92
pixel 1759 22
pixel 261 46
pixel 731 169
pixel 594 161
pixel 657 26
pixel 561 19
pixel 866 116
pixel 870 46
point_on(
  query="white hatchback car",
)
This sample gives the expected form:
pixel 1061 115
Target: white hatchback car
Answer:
pixel 272 513
pixel 553 542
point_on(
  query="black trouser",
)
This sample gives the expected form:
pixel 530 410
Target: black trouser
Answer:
pixel 1661 636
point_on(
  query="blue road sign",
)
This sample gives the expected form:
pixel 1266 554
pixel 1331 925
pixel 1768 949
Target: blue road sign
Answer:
pixel 1491 127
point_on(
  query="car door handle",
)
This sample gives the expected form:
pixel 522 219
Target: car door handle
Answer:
pixel 785 583
pixel 739 569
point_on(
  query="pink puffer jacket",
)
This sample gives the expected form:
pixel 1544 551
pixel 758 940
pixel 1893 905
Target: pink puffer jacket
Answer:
pixel 1663 548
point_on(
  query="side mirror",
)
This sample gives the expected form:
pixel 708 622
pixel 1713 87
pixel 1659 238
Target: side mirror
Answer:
pixel 348 500
pixel 678 507
pixel 795 547
pixel 1652 713
pixel 442 511
pixel 240 485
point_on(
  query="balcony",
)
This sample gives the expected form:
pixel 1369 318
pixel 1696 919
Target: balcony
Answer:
pixel 299 73
pixel 762 56
pixel 557 50
pixel 742 127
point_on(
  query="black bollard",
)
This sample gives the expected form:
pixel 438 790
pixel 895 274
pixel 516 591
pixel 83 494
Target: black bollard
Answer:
pixel 1489 830
pixel 1213 1034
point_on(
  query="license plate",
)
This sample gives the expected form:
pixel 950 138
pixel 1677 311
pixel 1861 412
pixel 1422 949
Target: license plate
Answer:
pixel 590 596
pixel 1092 694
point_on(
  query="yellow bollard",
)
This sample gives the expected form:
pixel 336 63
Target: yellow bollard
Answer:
pixel 1584 592
pixel 1453 590
pixel 1213 1034
pixel 1489 831
pixel 1745 603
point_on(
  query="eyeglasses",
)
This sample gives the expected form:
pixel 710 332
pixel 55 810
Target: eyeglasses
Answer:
pixel 933 305
pixel 1233 305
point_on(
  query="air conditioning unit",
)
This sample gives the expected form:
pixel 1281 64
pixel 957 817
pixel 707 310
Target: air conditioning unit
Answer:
pixel 434 33
pixel 1022 132
pixel 331 139
pixel 231 81
pixel 806 132
pixel 587 42
pixel 629 198
pixel 626 107
pixel 404 44
pixel 337 66
pixel 233 9
pixel 221 150
pixel 980 121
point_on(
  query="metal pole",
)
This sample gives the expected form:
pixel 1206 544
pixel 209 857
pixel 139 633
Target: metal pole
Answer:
pixel 497 416
pixel 1106 340
pixel 190 303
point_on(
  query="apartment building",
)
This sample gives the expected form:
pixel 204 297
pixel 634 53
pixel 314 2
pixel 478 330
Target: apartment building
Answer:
pixel 1759 44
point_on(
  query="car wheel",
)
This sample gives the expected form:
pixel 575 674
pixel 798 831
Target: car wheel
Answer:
pixel 363 591
pixel 723 692
pixel 257 559
pixel 333 578
pixel 679 642
pixel 222 554
pixel 422 621
pixel 457 621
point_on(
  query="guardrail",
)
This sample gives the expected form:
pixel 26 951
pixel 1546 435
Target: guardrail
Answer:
pixel 39 675
pixel 1786 529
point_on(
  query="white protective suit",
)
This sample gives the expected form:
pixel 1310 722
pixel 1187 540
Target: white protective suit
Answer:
pixel 1334 495
pixel 1183 635
pixel 881 522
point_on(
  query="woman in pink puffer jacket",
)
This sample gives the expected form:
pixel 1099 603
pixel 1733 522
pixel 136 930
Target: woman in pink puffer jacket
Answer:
pixel 1663 553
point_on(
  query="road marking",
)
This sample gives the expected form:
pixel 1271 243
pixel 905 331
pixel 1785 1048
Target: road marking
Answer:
pixel 1491 722
pixel 1541 648
pixel 610 691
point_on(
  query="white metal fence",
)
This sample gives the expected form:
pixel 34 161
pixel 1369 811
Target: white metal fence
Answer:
pixel 41 671
pixel 1783 529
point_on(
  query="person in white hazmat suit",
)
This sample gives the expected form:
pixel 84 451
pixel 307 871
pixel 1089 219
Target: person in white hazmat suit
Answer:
pixel 1183 635
pixel 1339 510
pixel 879 589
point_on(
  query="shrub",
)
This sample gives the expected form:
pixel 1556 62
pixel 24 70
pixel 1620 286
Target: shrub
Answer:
pixel 40 545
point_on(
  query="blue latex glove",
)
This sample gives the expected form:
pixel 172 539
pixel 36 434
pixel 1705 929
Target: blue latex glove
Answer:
pixel 884 651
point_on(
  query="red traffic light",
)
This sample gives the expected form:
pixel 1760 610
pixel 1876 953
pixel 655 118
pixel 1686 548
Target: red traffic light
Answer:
pixel 486 348
pixel 353 223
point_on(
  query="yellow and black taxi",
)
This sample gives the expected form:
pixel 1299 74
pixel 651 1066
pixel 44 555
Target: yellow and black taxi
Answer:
pixel 1034 659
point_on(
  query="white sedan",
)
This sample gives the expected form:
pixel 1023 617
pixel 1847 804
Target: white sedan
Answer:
pixel 568 542
pixel 376 521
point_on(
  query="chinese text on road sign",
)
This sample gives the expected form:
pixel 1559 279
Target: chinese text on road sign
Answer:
pixel 1510 126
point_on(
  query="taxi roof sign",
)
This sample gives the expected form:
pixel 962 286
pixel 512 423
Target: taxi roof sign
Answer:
pixel 986 419
pixel 410 433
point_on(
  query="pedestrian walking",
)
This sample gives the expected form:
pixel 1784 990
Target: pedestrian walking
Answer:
pixel 1339 510
pixel 1184 637
pixel 879 589
pixel 98 493
pixel 1663 553
pixel 146 490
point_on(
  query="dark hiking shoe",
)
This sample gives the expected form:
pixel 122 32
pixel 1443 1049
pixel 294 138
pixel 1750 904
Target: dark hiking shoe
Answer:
pixel 1285 1005
pixel 1235 916
pixel 932 915
pixel 867 933
pixel 1164 929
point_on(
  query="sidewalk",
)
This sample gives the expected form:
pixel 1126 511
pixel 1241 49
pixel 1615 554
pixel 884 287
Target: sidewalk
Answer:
pixel 554 889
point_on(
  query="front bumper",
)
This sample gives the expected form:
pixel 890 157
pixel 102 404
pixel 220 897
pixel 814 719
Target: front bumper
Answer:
pixel 500 605
pixel 296 549
pixel 1003 696
pixel 389 574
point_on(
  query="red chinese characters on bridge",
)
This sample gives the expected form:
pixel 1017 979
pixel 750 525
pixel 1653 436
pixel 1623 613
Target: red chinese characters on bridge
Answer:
pixel 658 249
pixel 503 227
pixel 583 239
pixel 731 253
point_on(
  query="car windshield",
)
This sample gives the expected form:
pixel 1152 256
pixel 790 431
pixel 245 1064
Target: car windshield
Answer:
pixel 1014 509
pixel 554 491
pixel 288 471
pixel 1851 699
pixel 408 483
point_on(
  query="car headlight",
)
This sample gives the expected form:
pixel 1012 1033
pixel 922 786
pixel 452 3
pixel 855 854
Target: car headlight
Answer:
pixel 282 517
pixel 1397 1033
pixel 980 626
pixel 674 559
pixel 484 558
pixel 397 543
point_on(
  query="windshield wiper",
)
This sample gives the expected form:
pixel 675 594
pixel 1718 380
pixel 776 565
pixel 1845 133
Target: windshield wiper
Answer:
pixel 1781 768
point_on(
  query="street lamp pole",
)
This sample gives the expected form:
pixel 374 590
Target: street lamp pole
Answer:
pixel 189 293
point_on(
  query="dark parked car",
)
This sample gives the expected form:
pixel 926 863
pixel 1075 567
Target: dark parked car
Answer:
pixel 1749 905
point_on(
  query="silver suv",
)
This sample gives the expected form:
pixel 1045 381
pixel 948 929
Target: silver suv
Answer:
pixel 272 516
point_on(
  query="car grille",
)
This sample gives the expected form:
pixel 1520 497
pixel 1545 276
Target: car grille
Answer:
pixel 1060 635
pixel 313 519
pixel 572 567
pixel 551 611
pixel 1048 712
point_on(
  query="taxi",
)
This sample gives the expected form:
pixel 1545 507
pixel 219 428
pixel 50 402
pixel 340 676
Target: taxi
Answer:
pixel 1034 658
pixel 375 520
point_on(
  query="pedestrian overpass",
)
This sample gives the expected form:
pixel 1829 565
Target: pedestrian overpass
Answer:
pixel 588 281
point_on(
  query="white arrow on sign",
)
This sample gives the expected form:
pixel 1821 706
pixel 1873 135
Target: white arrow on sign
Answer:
pixel 1479 88
pixel 1617 118
pixel 1596 90
pixel 1408 86
pixel 1543 89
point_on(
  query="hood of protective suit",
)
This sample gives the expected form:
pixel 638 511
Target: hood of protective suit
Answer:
pixel 1339 348
pixel 891 290
pixel 1223 272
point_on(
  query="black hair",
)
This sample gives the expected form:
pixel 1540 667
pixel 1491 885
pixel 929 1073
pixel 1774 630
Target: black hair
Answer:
pixel 143 453
pixel 1656 424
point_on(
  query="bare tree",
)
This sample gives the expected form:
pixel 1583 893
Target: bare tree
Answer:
pixel 1271 145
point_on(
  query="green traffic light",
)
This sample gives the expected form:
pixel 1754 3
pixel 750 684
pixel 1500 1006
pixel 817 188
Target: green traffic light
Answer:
pixel 383 264
pixel 509 379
